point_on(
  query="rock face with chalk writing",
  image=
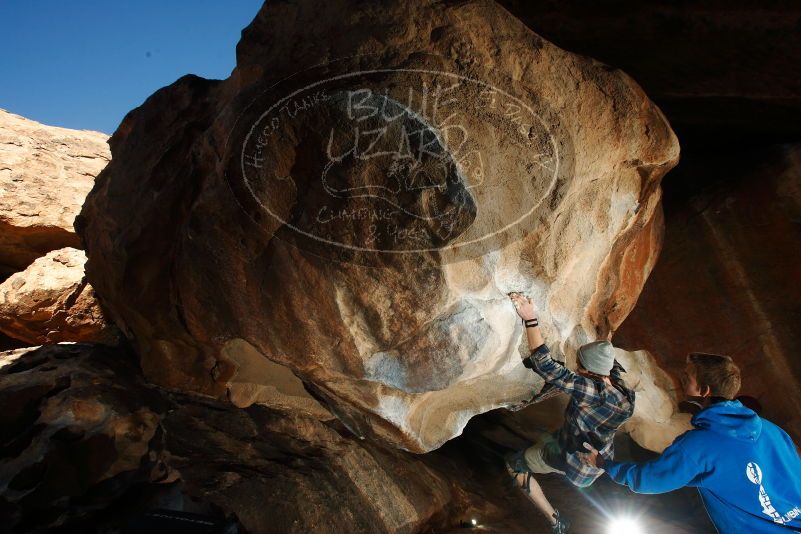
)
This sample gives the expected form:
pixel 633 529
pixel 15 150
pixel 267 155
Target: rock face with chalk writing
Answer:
pixel 336 226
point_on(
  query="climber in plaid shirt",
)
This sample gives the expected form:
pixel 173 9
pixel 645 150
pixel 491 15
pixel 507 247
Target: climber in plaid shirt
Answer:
pixel 599 404
pixel 593 414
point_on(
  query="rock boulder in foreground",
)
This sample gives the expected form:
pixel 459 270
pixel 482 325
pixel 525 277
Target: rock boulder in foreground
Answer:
pixel 87 446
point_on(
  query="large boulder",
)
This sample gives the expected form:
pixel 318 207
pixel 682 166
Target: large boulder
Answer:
pixel 50 302
pixel 351 211
pixel 45 174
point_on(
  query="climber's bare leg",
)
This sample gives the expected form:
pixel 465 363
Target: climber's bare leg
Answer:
pixel 535 495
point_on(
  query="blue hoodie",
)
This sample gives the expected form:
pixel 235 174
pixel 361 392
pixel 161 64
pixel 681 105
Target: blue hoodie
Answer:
pixel 746 468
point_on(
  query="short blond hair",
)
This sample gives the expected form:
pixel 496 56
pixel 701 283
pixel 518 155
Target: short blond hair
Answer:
pixel 716 371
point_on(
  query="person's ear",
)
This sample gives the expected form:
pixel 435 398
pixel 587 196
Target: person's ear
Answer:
pixel 706 391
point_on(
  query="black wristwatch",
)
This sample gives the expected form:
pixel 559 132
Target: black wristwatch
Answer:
pixel 531 323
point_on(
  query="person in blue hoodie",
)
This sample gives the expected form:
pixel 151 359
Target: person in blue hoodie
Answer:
pixel 746 468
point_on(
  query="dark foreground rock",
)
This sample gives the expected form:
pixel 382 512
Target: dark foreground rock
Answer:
pixel 87 446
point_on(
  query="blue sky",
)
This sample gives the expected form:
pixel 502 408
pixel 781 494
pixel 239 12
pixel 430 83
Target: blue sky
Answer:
pixel 84 64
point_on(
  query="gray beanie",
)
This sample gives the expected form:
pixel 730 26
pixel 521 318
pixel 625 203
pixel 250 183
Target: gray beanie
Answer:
pixel 597 357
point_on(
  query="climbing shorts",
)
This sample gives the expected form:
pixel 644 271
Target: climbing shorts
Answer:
pixel 535 455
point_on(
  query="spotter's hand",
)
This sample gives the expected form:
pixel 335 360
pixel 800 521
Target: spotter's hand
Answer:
pixel 523 305
pixel 592 457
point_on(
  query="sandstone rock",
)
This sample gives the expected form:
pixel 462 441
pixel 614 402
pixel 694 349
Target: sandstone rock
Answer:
pixel 72 424
pixel 45 174
pixel 626 280
pixel 727 279
pixel 8 357
pixel 360 222
pixel 10 343
pixel 86 445
pixel 50 301
pixel 656 421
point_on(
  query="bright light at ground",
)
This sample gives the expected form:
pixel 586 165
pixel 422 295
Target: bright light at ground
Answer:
pixel 474 522
pixel 624 525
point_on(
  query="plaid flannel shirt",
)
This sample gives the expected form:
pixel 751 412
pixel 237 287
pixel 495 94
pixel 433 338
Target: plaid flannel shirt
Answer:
pixel 594 413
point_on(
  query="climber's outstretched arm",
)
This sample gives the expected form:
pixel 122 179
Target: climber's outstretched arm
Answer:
pixel 539 358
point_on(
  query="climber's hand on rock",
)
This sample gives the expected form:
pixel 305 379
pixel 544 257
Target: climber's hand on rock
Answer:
pixel 523 305
pixel 592 457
